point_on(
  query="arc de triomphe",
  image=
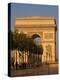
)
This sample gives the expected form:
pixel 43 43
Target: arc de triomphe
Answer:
pixel 45 27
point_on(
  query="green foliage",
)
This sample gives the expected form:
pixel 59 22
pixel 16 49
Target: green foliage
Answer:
pixel 38 49
pixel 10 35
pixel 22 42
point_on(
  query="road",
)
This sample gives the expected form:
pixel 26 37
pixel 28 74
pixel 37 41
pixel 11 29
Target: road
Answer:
pixel 43 69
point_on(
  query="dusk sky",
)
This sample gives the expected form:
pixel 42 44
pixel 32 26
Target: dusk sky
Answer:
pixel 23 10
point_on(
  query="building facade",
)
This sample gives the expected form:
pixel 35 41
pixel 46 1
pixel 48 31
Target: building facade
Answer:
pixel 45 27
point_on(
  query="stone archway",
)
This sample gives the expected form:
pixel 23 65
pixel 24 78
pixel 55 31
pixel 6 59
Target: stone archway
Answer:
pixel 36 38
pixel 37 58
pixel 45 27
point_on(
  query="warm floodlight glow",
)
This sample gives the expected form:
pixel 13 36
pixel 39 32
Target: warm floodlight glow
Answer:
pixel 19 32
pixel 25 32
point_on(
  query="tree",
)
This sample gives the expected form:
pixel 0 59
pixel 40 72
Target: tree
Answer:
pixel 30 49
pixel 38 50
pixel 22 42
pixel 10 35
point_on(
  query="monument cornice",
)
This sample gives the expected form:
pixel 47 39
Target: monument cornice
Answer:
pixel 38 21
pixel 35 26
pixel 36 18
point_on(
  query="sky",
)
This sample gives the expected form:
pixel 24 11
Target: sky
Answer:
pixel 23 10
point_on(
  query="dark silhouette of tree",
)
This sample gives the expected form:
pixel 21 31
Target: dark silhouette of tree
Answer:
pixel 22 42
pixel 38 50
pixel 19 42
pixel 12 61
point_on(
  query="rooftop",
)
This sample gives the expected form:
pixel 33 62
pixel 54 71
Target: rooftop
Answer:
pixel 36 17
pixel 35 20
